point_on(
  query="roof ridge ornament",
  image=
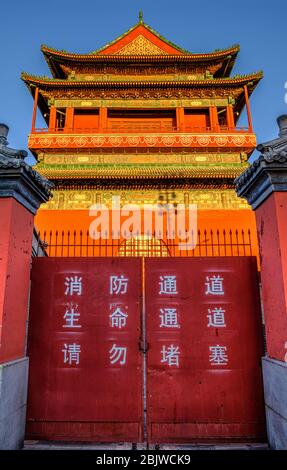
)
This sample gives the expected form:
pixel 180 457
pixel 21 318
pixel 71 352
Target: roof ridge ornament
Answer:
pixel 141 17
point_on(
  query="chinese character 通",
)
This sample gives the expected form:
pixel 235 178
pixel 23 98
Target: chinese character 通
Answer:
pixel 168 285
pixel 170 355
pixel 118 284
pixel 214 285
pixel 71 316
pixel 71 353
pixel 73 285
pixel 218 355
pixel 168 318
pixel 216 317
pixel 118 318
pixel 118 354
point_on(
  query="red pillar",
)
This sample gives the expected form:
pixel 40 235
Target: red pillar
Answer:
pixel 22 190
pixel 264 185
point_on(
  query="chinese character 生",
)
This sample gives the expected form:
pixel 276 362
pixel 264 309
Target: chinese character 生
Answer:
pixel 71 316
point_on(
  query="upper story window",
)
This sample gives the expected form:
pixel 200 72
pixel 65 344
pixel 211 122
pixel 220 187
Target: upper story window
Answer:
pixel 148 120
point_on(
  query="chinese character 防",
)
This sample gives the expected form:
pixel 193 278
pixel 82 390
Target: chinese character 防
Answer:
pixel 71 316
pixel 214 285
pixel 168 318
pixel 216 317
pixel 71 353
pixel 170 355
pixel 118 354
pixel 118 318
pixel 218 355
pixel 167 285
pixel 73 285
pixel 118 284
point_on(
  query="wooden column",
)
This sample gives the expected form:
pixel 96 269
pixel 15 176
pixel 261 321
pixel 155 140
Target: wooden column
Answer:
pixel 103 119
pixel 230 117
pixel 180 122
pixel 36 96
pixel 214 119
pixel 69 120
pixel 52 120
pixel 250 126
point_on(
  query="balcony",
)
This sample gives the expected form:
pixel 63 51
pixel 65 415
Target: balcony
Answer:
pixel 143 135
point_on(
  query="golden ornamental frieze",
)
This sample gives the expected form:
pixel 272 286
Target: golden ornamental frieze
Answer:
pixel 144 92
pixel 117 159
pixel 141 46
pixel 240 140
pixel 140 103
pixel 205 199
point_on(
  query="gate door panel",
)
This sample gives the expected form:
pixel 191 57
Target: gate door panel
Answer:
pixel 204 338
pixel 85 366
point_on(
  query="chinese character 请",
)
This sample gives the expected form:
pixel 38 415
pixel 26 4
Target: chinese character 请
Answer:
pixel 167 285
pixel 218 355
pixel 216 317
pixel 168 318
pixel 118 318
pixel 71 316
pixel 118 354
pixel 214 285
pixel 118 284
pixel 73 285
pixel 170 355
pixel 71 353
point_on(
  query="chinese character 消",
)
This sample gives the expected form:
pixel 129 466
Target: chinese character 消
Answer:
pixel 118 318
pixel 73 285
pixel 118 354
pixel 218 355
pixel 216 317
pixel 168 318
pixel 71 353
pixel 118 284
pixel 170 355
pixel 71 316
pixel 167 285
pixel 214 285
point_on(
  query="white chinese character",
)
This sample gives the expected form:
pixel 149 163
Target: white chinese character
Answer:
pixel 118 318
pixel 71 316
pixel 118 354
pixel 168 285
pixel 214 285
pixel 168 318
pixel 118 284
pixel 170 355
pixel 216 317
pixel 218 355
pixel 73 285
pixel 71 353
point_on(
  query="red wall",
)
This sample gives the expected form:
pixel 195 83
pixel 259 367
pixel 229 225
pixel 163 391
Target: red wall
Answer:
pixel 16 229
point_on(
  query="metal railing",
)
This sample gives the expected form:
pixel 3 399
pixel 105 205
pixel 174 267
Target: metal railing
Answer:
pixel 73 243
pixel 141 129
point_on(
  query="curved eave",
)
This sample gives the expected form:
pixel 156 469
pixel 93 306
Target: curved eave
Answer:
pixel 32 80
pixel 55 58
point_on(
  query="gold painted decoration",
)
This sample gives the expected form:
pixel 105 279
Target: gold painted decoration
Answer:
pixel 140 46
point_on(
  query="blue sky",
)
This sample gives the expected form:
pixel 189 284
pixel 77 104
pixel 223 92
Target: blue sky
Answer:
pixel 83 26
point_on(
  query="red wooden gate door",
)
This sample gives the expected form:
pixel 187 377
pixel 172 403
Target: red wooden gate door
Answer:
pixel 204 348
pixel 85 378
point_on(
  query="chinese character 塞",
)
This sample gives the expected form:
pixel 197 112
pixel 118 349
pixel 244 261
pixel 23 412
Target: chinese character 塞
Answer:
pixel 218 355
